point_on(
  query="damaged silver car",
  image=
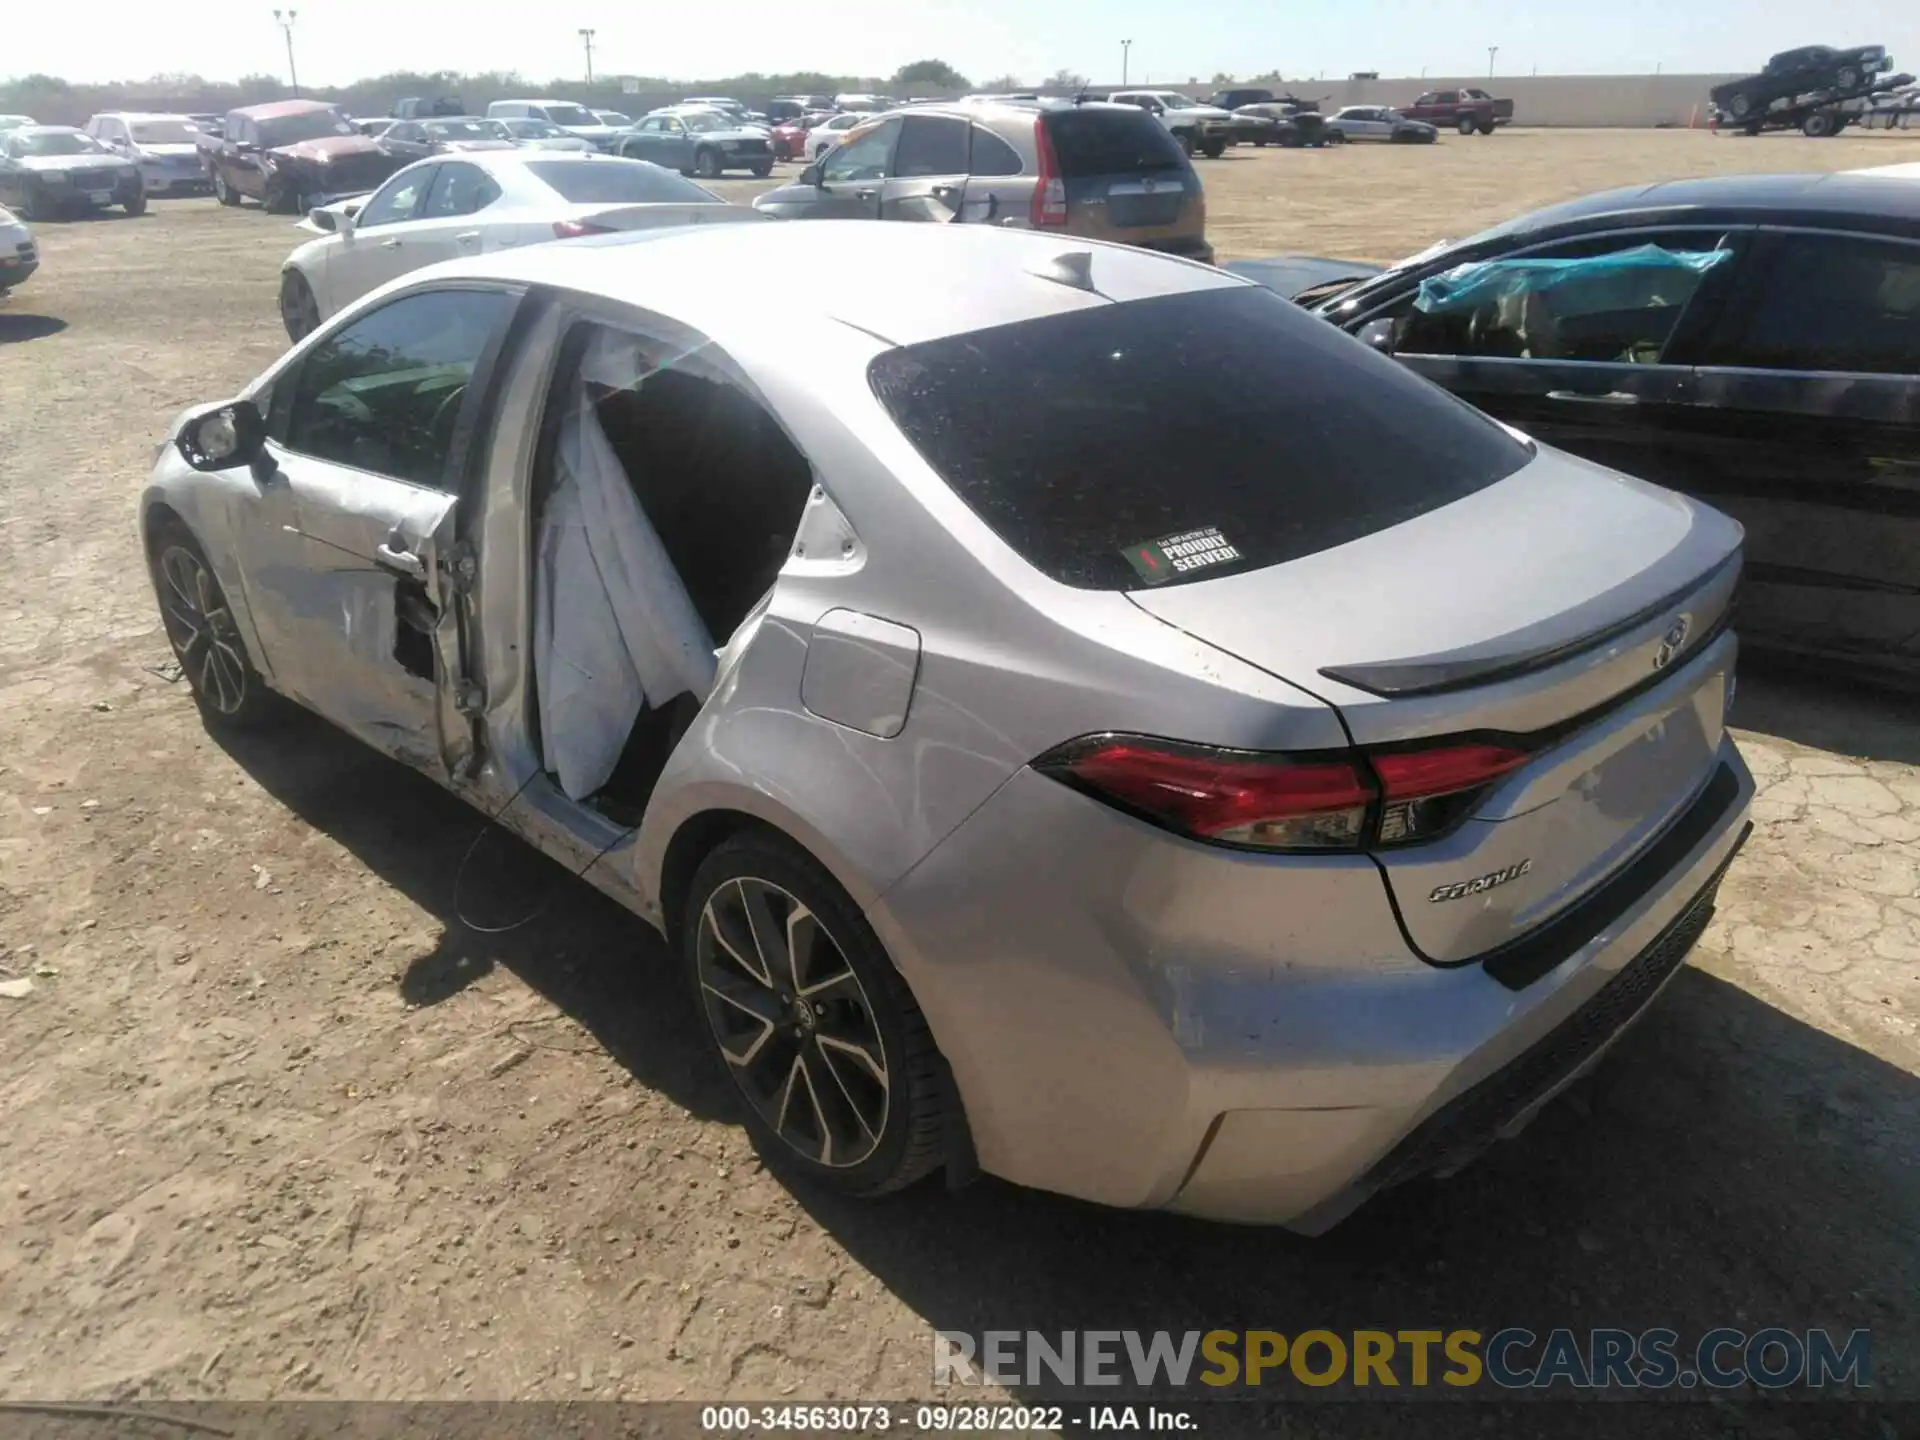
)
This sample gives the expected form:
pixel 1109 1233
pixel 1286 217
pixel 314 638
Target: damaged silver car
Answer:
pixel 1089 720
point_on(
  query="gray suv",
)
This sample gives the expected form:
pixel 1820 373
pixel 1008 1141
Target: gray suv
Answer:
pixel 1106 172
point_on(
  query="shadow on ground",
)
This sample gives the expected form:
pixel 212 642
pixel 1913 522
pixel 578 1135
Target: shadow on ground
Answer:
pixel 1829 712
pixel 16 329
pixel 596 962
pixel 1726 1166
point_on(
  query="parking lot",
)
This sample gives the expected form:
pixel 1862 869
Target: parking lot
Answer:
pixel 277 1122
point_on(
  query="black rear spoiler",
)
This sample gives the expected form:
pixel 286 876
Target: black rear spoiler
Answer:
pixel 1709 595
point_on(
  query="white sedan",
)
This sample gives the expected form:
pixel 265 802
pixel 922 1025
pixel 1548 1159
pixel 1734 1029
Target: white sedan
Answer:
pixel 1377 122
pixel 19 257
pixel 829 133
pixel 449 206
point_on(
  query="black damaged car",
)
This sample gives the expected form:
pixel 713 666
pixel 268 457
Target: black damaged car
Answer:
pixel 1752 340
pixel 49 170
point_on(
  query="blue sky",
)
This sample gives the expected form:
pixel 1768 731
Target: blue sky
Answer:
pixel 341 40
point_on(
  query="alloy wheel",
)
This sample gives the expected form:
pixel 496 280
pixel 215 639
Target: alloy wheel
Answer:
pixel 201 630
pixel 793 1022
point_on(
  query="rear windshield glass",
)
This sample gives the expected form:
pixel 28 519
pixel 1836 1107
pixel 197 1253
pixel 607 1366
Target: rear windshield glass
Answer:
pixel 1084 440
pixel 1111 142
pixel 598 182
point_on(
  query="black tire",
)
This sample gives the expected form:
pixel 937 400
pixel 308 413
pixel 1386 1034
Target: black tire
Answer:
pixel 707 164
pixel 1752 130
pixel 222 191
pixel 199 625
pixel 875 1008
pixel 33 206
pixel 1336 137
pixel 1185 137
pixel 282 199
pixel 1846 78
pixel 1213 149
pixel 760 172
pixel 1486 127
pixel 1820 125
pixel 1738 104
pixel 299 311
pixel 137 205
pixel 1466 124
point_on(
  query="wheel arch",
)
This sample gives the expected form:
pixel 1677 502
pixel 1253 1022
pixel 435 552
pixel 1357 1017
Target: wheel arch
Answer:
pixel 172 505
pixel 701 833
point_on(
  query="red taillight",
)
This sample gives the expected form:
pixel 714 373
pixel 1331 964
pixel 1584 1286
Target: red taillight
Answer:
pixel 1426 792
pixel 1049 189
pixel 1273 801
pixel 573 229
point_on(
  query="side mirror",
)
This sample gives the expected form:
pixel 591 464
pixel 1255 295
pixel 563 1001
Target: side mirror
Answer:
pixel 323 219
pixel 1377 335
pixel 814 175
pixel 221 438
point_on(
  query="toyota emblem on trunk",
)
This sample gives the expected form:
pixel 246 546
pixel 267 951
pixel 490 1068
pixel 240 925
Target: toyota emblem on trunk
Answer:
pixel 1670 644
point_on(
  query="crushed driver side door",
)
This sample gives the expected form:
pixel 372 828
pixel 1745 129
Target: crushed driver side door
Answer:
pixel 360 594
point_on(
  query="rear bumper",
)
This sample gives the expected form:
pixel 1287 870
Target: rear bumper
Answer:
pixel 15 272
pixel 1502 1068
pixel 176 182
pixel 1244 1037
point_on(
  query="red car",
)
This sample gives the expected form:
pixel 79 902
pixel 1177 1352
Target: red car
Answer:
pixel 790 139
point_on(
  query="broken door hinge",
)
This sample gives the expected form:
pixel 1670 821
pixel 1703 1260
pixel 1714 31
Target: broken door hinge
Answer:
pixel 462 567
pixel 469 698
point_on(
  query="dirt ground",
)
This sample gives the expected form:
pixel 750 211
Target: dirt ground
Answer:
pixel 274 1121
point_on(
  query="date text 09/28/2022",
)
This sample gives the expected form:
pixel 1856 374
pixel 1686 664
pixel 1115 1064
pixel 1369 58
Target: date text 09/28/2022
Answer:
pixel 924 1419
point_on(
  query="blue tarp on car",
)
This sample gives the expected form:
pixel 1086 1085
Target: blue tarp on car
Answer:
pixel 1601 282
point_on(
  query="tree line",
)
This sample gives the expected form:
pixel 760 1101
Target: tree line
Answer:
pixel 54 100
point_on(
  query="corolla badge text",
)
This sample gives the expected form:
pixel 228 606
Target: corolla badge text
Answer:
pixel 1463 888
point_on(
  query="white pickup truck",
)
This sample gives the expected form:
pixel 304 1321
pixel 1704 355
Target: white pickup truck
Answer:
pixel 1205 128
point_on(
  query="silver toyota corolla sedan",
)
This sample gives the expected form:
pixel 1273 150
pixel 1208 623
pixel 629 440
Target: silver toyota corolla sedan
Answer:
pixel 1091 720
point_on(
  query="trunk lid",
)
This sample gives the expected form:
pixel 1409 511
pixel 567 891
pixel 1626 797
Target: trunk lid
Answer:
pixel 654 216
pixel 1566 610
pixel 1125 176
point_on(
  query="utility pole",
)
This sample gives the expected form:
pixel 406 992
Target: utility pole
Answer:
pixel 284 19
pixel 1126 47
pixel 1492 50
pixel 586 39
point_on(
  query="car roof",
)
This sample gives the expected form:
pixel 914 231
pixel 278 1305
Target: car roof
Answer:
pixel 48 130
pixel 273 110
pixel 705 276
pixel 140 115
pixel 1841 193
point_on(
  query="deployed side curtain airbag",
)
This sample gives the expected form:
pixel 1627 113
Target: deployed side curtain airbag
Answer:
pixel 1625 279
pixel 614 630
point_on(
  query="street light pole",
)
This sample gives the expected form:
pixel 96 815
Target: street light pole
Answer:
pixel 1492 50
pixel 284 19
pixel 1126 47
pixel 586 39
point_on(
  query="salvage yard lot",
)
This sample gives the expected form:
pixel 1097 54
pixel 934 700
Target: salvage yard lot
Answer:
pixel 273 1121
